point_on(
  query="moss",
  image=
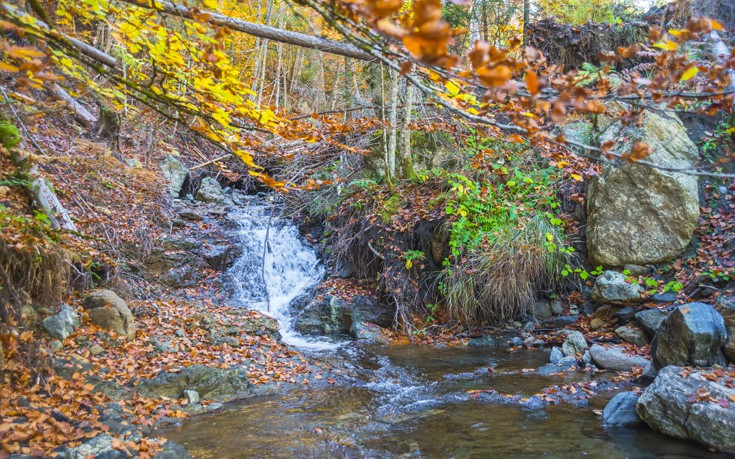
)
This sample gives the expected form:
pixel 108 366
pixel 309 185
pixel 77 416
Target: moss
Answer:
pixel 389 208
pixel 9 134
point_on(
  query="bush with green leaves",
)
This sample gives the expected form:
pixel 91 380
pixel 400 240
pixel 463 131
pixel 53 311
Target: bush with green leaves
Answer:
pixel 506 240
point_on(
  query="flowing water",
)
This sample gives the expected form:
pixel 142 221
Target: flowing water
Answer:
pixel 399 401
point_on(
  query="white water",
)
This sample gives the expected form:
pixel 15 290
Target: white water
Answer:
pixel 291 268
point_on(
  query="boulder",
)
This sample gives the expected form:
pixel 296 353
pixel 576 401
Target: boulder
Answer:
pixel 596 324
pixel 574 344
pixel 615 358
pixel 672 406
pixel 176 173
pixel 651 319
pixel 632 335
pixel 366 331
pixel 611 288
pixel 556 307
pixel 332 315
pixel 620 411
pixel 542 309
pixel 210 191
pixel 638 214
pixel 219 256
pixel 191 396
pixel 109 311
pixel 210 383
pixel 726 307
pixel 562 321
pixel 692 334
pixel 62 324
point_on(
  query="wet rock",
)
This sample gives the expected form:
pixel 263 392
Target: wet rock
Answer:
pixel 666 407
pixel 516 341
pixel 620 411
pixel 366 331
pixel 95 447
pixel 615 358
pixel 574 344
pixel 331 315
pixel 63 324
pixel 726 307
pixel 650 320
pixel 643 215
pixel 692 334
pixel 109 311
pixel 219 256
pixel 556 355
pixel 566 364
pixel 191 396
pixel 611 288
pixel 542 309
pixel 632 335
pixel 173 450
pixel 491 340
pixel 210 191
pixel 176 173
pixel 210 383
pixel 344 268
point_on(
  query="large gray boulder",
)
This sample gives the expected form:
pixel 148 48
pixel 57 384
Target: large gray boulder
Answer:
pixel 332 315
pixel 109 311
pixel 210 191
pixel 638 214
pixel 615 358
pixel 612 288
pixel 176 173
pixel 692 334
pixel 96 447
pixel 620 411
pixel 726 307
pixel 673 405
pixel 62 324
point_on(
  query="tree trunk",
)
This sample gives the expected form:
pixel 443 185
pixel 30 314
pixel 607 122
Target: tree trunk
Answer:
pixel 405 149
pixel 392 142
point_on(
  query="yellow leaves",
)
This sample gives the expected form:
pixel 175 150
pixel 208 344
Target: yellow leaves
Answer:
pixel 22 52
pixel 667 45
pixel 5 67
pixel 716 25
pixel 689 74
pixel 452 87
pixel 210 4
pixel 678 32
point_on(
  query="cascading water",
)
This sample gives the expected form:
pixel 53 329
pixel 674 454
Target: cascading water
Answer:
pixel 291 268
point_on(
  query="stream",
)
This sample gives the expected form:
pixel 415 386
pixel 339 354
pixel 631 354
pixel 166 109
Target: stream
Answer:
pixel 397 401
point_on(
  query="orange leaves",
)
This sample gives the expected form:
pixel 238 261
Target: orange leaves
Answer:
pixel 429 36
pixel 495 76
pixel 628 52
pixel 383 8
pixel 532 82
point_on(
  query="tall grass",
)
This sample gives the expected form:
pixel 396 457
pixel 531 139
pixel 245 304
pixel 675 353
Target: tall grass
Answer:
pixel 500 282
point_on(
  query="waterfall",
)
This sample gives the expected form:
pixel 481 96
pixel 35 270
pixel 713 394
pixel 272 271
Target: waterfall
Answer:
pixel 291 269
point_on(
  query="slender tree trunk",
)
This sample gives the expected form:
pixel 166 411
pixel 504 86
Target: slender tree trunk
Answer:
pixel 393 141
pixel 405 148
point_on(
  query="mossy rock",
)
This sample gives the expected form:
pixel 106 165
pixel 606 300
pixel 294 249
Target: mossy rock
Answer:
pixel 9 134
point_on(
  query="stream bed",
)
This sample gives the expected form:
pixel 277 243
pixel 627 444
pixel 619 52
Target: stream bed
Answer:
pixel 414 402
pixel 397 401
